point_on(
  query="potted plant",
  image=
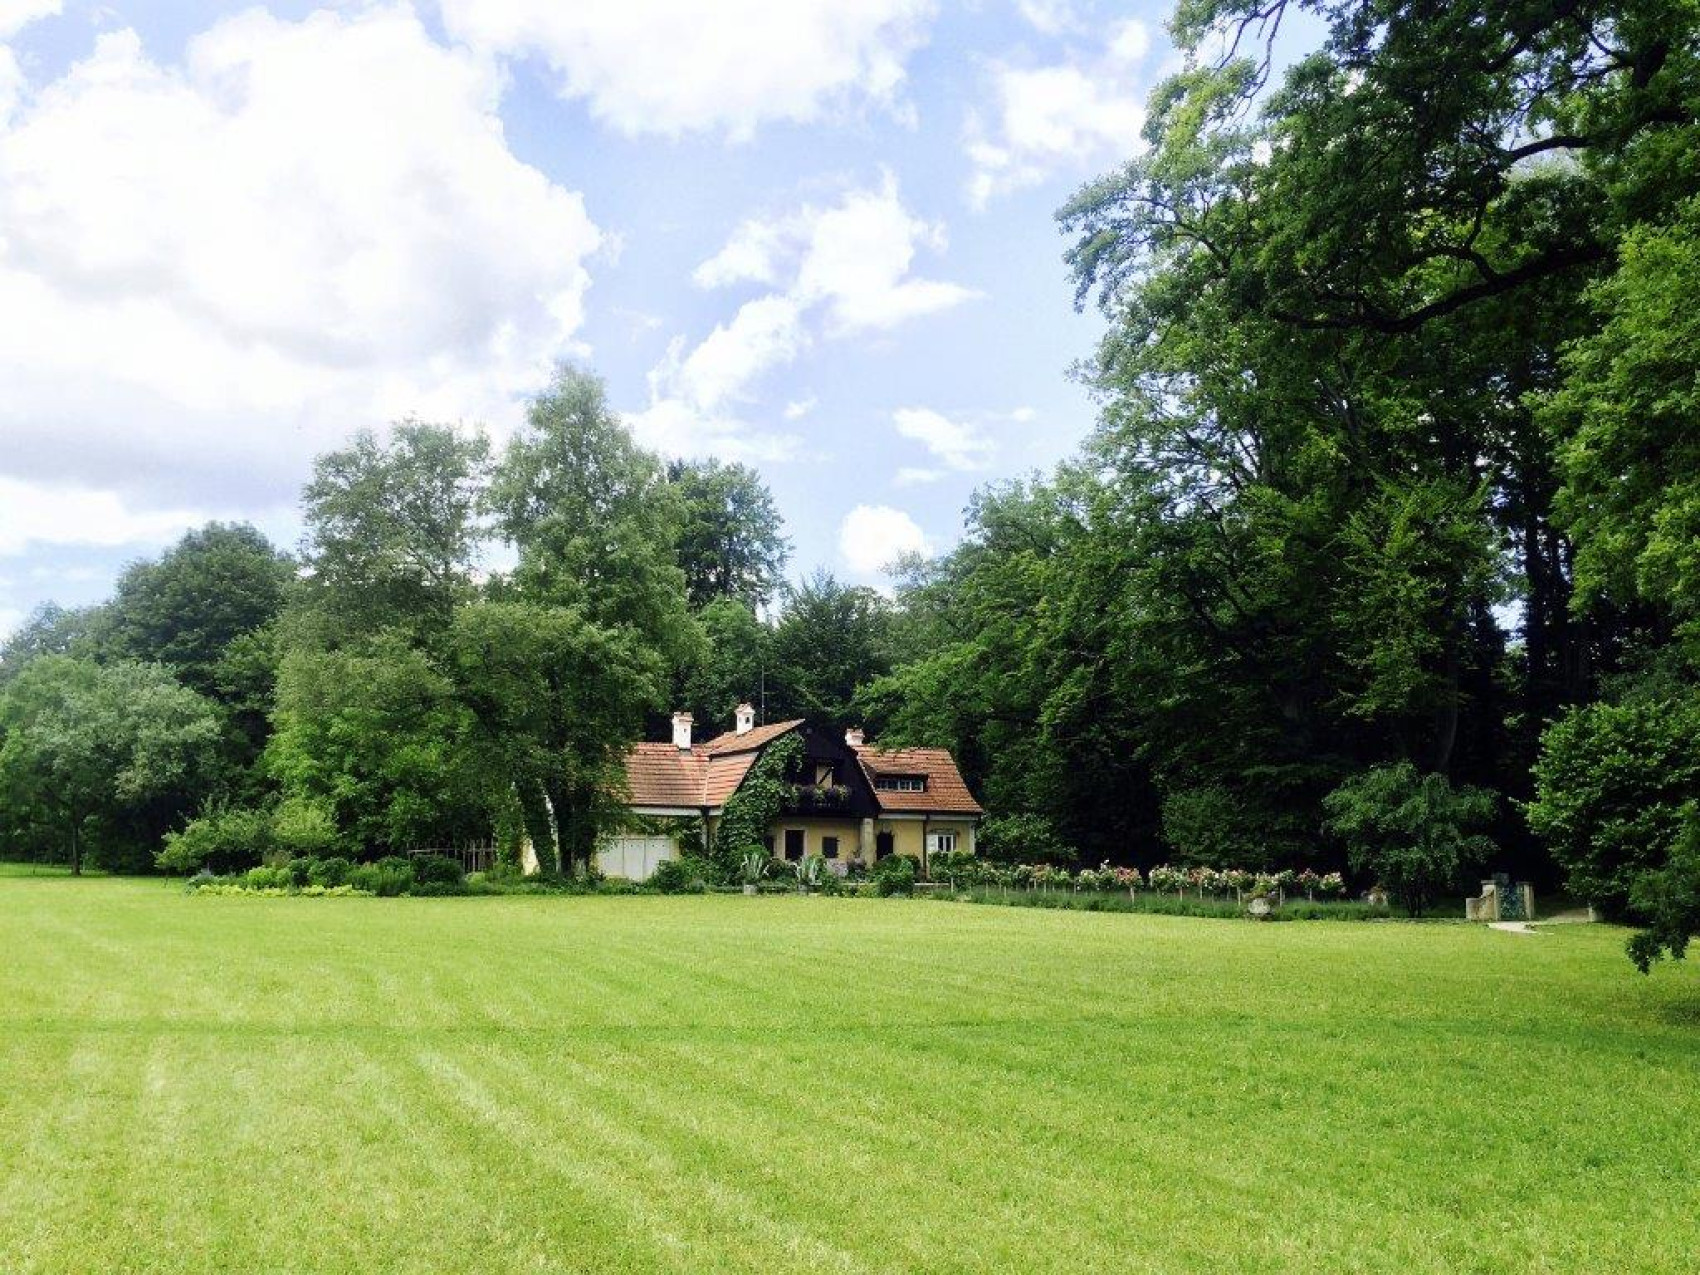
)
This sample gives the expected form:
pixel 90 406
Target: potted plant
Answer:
pixel 808 870
pixel 752 868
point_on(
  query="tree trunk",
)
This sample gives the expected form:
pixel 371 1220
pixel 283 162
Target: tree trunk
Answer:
pixel 76 848
pixel 534 811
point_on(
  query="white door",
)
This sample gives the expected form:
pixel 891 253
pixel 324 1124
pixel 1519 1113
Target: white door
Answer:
pixel 634 857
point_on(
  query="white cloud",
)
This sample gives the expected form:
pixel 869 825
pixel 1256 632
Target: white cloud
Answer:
pixel 763 334
pixel 833 272
pixel 854 258
pixel 872 537
pixel 1063 117
pixel 10 619
pixel 209 272
pixel 15 15
pixel 958 445
pixel 916 476
pixel 34 515
pixel 799 408
pixel 678 66
pixel 1050 17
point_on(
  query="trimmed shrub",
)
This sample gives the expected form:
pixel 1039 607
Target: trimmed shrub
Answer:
pixel 1611 787
pixel 893 875
pixel 384 878
pixel 687 875
pixel 304 829
pixel 1411 831
pixel 220 839
pixel 437 870
pixel 327 873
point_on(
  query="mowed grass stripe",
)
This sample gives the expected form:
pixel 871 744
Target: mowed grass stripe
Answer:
pixel 808 1084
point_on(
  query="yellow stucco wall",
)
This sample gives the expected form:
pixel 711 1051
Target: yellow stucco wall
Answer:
pixel 907 834
pixel 848 832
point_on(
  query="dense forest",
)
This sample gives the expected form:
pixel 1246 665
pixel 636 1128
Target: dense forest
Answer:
pixel 1389 530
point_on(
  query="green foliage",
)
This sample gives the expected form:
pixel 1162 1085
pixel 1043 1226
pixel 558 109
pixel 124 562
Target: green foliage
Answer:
pixel 376 734
pixel 596 528
pixel 219 839
pixel 688 874
pixel 732 546
pixel 753 865
pixel 893 875
pixel 593 518
pixel 1410 831
pixel 303 828
pixel 391 528
pixel 750 811
pixel 1669 898
pixel 387 878
pixel 1628 449
pixel 328 873
pixel 55 630
pixel 831 639
pixel 1209 825
pixel 809 870
pixel 729 667
pixel 553 699
pixel 1025 838
pixel 219 583
pixel 116 750
pixel 437 870
pixel 1612 786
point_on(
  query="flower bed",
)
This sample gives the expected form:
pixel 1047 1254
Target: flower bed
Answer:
pixel 1189 891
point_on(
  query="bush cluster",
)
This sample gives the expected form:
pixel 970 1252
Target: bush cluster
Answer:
pixel 964 871
pixel 1169 904
pixel 388 877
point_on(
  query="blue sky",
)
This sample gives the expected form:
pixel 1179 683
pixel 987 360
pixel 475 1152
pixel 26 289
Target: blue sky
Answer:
pixel 816 235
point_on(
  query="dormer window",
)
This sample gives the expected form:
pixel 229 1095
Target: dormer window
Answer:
pixel 901 783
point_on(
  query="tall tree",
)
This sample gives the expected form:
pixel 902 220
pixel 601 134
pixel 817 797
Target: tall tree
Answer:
pixel 376 732
pixel 731 539
pixel 55 630
pixel 113 749
pixel 732 666
pixel 596 527
pixel 392 528
pixel 551 697
pixel 831 638
pixel 215 585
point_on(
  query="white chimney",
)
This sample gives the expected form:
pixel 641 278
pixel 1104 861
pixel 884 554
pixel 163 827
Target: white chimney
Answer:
pixel 853 737
pixel 746 717
pixel 682 731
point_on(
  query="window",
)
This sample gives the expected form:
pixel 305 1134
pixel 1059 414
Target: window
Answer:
pixel 793 843
pixel 829 847
pixel 823 774
pixel 884 844
pixel 901 783
pixel 941 843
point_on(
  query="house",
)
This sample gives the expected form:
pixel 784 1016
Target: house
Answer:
pixel 851 801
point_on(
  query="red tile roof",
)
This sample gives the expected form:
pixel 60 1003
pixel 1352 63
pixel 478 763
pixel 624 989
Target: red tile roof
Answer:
pixel 946 793
pixel 665 775
pixel 750 740
pixel 706 775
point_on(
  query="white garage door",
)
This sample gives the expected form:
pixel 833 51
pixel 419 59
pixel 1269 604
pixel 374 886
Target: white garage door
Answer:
pixel 634 858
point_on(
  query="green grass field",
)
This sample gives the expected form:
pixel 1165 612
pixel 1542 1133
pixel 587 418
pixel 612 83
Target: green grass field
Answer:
pixel 778 1084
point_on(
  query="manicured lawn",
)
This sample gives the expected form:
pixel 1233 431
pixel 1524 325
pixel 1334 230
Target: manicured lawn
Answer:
pixel 707 1084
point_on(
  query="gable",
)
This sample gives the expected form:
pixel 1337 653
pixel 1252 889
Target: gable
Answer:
pixel 893 773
